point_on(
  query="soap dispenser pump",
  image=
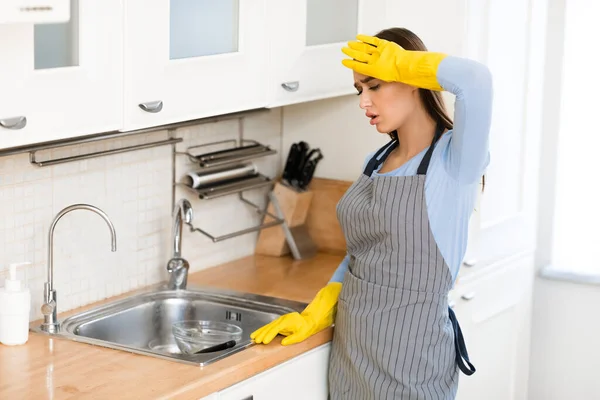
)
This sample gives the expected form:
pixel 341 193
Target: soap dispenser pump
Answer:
pixel 15 304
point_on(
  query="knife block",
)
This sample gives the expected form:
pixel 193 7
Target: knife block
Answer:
pixel 294 206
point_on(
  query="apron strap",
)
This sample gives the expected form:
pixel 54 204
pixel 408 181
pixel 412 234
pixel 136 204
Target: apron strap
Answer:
pixel 422 170
pixel 374 162
pixel 461 348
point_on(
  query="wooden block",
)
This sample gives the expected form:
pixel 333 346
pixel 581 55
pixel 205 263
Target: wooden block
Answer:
pixel 295 206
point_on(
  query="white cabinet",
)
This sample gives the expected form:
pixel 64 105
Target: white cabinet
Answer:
pixel 429 20
pixel 493 309
pixel 64 79
pixel 306 39
pixel 187 59
pixel 303 377
pixel 432 27
pixel 214 396
pixel 505 217
pixel 126 65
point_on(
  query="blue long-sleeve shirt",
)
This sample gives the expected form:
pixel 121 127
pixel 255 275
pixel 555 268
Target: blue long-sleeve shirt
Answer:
pixel 458 161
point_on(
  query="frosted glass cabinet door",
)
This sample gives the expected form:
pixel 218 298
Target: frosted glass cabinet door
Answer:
pixel 187 59
pixel 62 80
pixel 306 40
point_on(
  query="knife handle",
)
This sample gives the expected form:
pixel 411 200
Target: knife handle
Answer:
pixel 291 162
pixel 218 347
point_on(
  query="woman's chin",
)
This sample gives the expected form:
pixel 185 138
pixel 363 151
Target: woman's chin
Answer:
pixel 381 128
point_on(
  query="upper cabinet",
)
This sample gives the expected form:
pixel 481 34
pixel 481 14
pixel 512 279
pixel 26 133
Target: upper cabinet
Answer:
pixel 61 80
pixel 306 38
pixel 124 65
pixel 187 59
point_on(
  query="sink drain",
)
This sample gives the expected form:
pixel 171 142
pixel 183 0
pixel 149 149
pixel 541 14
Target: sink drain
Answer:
pixel 233 316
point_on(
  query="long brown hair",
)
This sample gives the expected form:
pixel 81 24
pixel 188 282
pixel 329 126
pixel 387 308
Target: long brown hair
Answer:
pixel 432 100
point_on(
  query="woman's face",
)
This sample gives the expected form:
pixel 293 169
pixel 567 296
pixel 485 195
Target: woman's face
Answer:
pixel 386 104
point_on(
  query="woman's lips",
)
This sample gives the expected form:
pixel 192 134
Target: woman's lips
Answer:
pixel 374 118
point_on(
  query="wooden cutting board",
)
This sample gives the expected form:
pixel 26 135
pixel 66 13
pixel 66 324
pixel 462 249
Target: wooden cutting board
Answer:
pixel 311 216
pixel 322 222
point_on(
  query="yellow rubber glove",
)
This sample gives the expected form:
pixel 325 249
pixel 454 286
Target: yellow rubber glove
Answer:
pixel 389 62
pixel 318 315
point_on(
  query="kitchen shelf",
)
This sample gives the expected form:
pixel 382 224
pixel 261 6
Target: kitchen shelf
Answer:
pixel 231 154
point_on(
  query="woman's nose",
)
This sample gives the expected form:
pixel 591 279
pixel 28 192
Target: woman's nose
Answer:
pixel 365 101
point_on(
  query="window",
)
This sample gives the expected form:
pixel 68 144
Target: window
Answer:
pixel 574 246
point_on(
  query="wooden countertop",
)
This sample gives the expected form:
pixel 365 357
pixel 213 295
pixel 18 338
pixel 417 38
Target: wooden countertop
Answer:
pixel 47 368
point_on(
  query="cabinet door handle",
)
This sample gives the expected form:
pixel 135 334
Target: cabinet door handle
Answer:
pixel 13 123
pixel 152 106
pixel 470 263
pixel 291 86
pixel 251 397
pixel 468 296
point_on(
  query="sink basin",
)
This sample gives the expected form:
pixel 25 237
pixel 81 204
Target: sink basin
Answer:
pixel 142 323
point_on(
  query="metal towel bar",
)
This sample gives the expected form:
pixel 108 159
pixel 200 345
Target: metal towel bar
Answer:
pixel 118 134
pixel 55 161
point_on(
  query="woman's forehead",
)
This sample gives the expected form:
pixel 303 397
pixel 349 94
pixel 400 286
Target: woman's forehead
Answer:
pixel 360 78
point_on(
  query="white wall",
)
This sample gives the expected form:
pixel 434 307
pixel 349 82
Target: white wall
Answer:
pixel 339 128
pixel 565 349
pixel 134 189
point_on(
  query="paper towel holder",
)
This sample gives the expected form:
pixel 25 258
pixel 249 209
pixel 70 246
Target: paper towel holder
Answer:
pixel 248 149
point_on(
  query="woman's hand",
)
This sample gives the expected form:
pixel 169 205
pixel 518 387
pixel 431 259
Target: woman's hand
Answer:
pixel 318 315
pixel 293 325
pixel 388 61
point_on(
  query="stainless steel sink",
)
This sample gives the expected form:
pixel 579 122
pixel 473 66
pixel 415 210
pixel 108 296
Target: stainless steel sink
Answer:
pixel 142 323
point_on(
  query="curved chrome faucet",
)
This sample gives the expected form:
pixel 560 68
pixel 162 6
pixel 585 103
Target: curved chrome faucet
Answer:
pixel 51 324
pixel 177 266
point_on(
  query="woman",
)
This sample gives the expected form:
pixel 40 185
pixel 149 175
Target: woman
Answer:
pixel 405 221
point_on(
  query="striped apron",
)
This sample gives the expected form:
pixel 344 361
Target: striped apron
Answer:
pixel 395 336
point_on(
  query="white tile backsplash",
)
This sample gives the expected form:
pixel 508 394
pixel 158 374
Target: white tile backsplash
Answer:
pixel 134 190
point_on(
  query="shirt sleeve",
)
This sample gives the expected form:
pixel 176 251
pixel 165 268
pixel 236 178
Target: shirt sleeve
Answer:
pixel 338 275
pixel 471 83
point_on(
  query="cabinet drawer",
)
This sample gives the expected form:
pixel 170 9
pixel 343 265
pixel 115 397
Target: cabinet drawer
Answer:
pixel 496 291
pixel 304 377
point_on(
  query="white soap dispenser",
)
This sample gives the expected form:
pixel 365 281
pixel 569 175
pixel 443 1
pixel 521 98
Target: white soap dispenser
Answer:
pixel 15 304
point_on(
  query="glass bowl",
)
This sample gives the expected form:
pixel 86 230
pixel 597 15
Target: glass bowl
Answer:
pixel 195 335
